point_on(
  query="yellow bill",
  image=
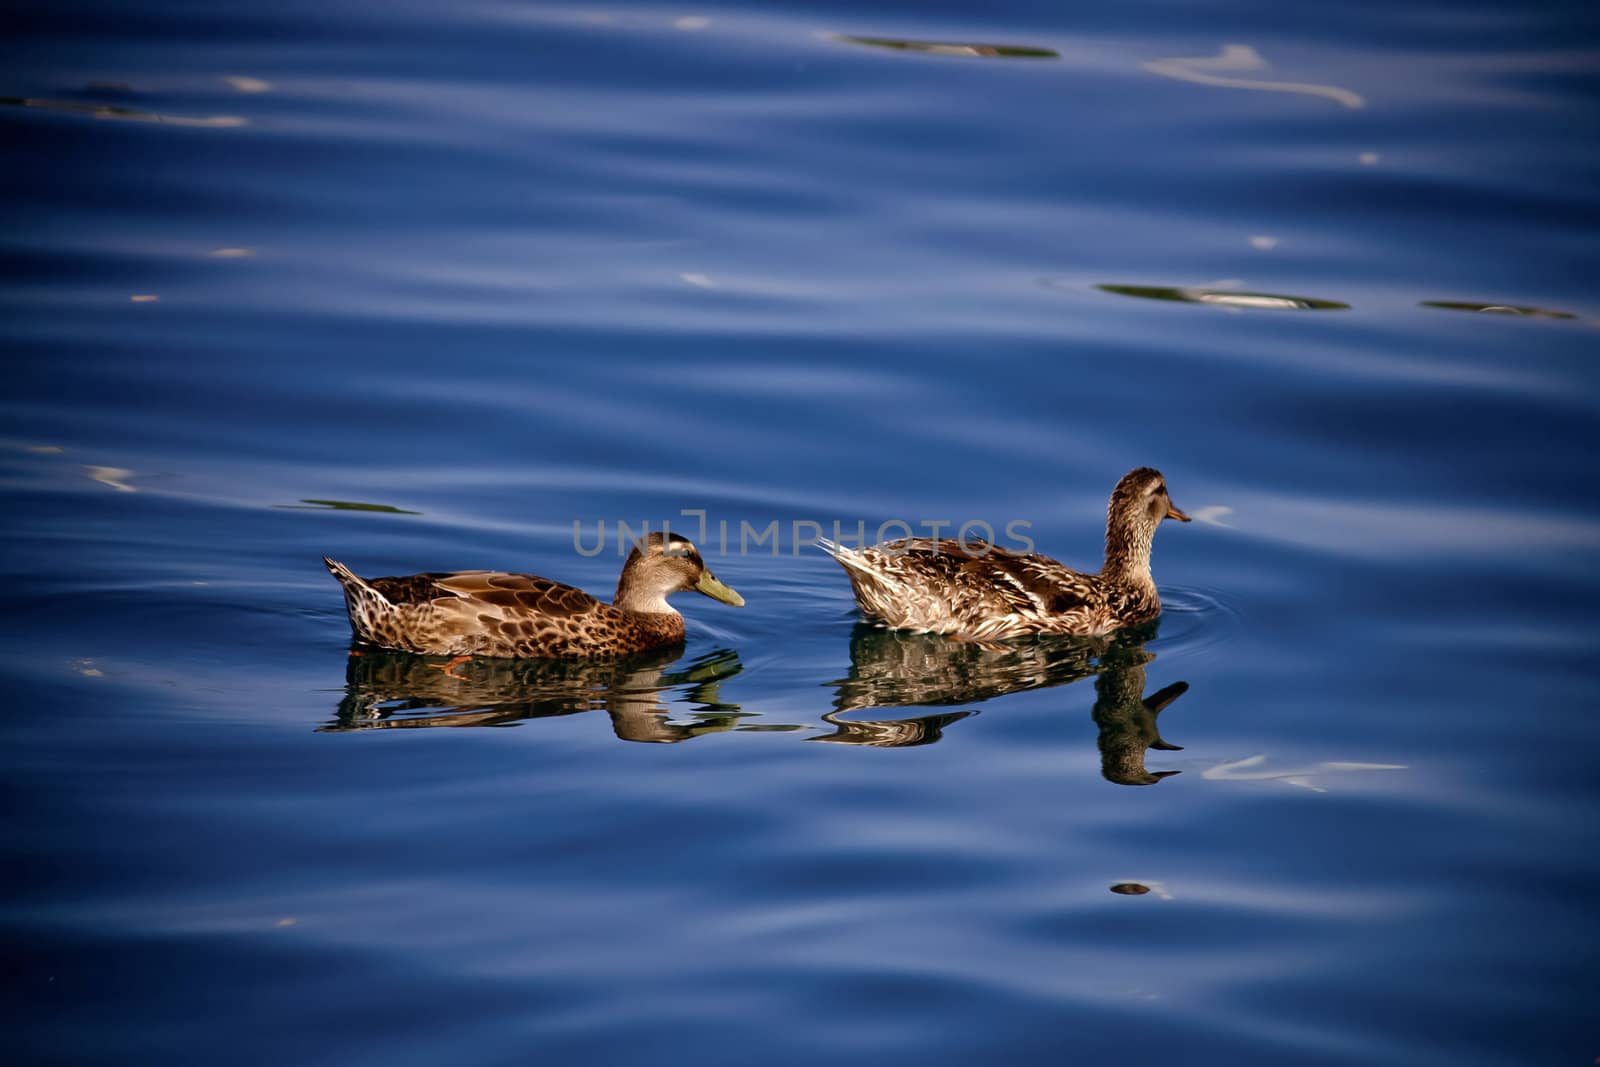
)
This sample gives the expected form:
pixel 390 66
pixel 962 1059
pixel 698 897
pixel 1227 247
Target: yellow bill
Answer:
pixel 714 589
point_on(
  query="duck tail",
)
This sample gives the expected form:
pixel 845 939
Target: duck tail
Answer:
pixel 874 591
pixel 365 606
pixel 351 581
pixel 851 560
pixel 850 557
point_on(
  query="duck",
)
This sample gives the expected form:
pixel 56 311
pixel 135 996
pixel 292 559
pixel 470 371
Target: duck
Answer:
pixel 976 591
pixel 523 616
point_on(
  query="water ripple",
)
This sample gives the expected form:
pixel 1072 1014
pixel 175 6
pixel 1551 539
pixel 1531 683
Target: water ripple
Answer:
pixel 1195 620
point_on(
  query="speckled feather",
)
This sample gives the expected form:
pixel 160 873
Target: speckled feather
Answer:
pixel 981 592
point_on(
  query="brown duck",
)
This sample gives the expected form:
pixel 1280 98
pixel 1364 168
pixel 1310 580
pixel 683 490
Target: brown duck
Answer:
pixel 981 592
pixel 492 613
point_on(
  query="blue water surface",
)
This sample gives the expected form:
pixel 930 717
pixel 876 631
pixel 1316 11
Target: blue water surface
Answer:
pixel 428 286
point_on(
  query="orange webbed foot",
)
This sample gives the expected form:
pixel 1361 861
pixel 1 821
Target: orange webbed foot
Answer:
pixel 450 668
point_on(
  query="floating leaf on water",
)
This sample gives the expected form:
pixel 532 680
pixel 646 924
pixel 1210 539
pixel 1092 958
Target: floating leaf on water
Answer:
pixel 951 48
pixel 345 505
pixel 1139 889
pixel 1498 309
pixel 115 477
pixel 1226 298
pixel 111 111
pixel 1250 769
pixel 1206 70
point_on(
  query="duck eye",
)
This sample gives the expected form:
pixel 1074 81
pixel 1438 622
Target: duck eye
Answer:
pixel 1158 490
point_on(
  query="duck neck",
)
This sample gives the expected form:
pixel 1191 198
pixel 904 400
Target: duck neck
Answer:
pixel 634 596
pixel 1128 555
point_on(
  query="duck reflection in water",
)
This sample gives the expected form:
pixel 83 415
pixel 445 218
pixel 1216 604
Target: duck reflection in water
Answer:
pixel 888 733
pixel 397 690
pixel 895 668
pixel 1127 718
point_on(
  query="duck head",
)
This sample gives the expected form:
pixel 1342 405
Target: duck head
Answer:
pixel 1138 505
pixel 663 564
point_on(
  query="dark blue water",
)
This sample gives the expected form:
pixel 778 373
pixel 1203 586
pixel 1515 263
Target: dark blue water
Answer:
pixel 499 269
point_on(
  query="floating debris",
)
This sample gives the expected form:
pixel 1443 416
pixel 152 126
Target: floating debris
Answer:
pixel 345 505
pixel 949 48
pixel 1210 70
pixel 1226 298
pixel 144 298
pixel 1498 309
pixel 115 477
pixel 111 111
pixel 1245 770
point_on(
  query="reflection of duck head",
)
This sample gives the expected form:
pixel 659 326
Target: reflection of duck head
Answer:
pixel 1127 719
pixel 388 690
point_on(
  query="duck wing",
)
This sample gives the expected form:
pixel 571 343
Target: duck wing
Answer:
pixel 986 583
pixel 1026 582
pixel 516 594
pixel 1050 587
